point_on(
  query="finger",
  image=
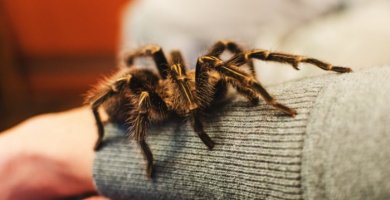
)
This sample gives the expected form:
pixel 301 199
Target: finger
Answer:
pixel 97 198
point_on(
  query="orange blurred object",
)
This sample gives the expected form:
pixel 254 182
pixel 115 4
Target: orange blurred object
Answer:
pixel 54 50
pixel 65 27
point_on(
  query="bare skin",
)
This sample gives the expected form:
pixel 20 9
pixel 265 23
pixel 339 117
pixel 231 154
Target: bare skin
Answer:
pixel 48 156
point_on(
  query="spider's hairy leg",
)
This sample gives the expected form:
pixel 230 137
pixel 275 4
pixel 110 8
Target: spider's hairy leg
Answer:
pixel 197 125
pixel 250 83
pixel 251 95
pixel 177 58
pixel 269 99
pixel 148 156
pixel 203 87
pixel 246 81
pixel 97 96
pixel 205 92
pixel 179 76
pixel 219 47
pixel 139 129
pixel 194 101
pixel 293 60
pixel 156 53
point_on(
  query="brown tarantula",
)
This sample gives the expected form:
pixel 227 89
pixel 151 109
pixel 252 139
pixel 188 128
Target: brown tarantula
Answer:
pixel 138 97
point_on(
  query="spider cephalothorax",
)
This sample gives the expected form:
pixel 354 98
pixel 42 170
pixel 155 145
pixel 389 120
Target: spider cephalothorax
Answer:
pixel 138 97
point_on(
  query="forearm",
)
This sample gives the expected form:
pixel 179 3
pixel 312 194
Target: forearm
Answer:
pixel 51 153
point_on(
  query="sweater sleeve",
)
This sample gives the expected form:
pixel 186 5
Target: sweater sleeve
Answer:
pixel 335 148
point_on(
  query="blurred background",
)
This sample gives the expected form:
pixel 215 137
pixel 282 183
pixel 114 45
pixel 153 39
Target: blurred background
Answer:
pixel 52 51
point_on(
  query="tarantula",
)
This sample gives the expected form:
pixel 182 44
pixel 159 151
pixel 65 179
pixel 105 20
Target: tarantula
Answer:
pixel 138 97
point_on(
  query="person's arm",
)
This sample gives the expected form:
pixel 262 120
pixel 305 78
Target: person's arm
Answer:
pixel 48 157
pixel 337 147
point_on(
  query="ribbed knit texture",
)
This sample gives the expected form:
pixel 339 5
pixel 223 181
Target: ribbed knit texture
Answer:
pixel 257 154
pixel 337 147
pixel 346 154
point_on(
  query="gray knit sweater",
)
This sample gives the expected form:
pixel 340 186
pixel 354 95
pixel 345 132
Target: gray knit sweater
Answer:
pixel 337 147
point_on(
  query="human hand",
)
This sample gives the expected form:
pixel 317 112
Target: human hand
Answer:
pixel 48 157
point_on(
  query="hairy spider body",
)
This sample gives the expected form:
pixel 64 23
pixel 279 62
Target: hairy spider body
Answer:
pixel 139 97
